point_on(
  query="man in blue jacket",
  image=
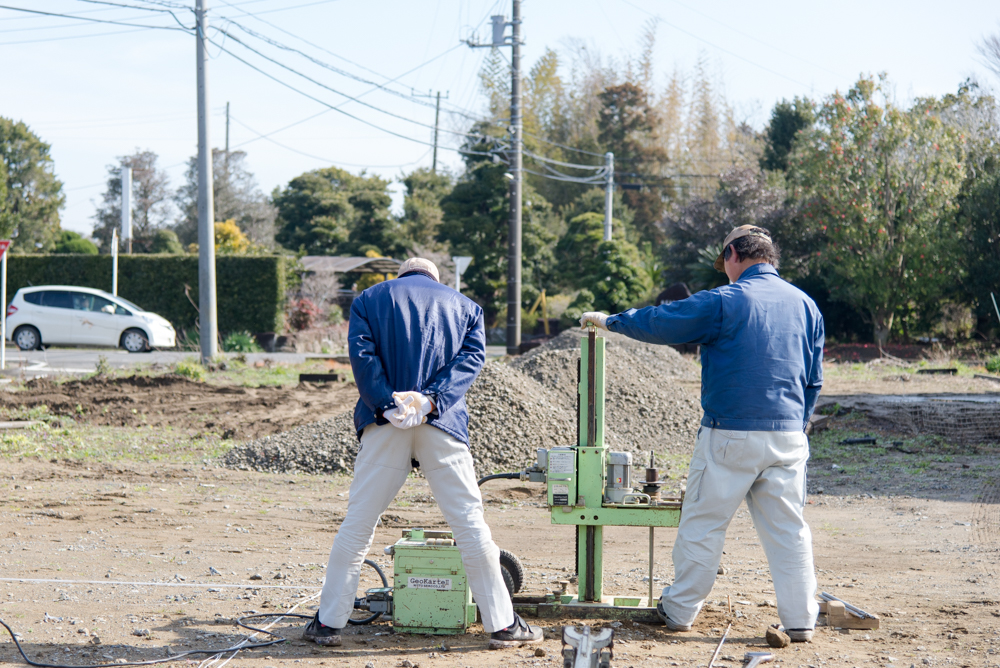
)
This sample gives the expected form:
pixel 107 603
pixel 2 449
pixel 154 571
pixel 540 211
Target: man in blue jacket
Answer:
pixel 415 347
pixel 761 372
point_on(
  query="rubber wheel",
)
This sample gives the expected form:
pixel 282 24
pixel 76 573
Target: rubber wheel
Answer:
pixel 27 337
pixel 508 581
pixel 368 619
pixel 512 565
pixel 135 341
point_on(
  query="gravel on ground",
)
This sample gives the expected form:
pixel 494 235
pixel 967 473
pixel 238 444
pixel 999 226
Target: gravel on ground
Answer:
pixel 517 407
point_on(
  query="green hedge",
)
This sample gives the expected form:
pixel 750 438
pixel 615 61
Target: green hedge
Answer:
pixel 250 289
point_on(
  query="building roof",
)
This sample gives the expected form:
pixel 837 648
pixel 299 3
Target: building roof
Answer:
pixel 334 264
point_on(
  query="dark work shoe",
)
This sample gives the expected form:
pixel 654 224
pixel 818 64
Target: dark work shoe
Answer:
pixel 321 634
pixel 518 634
pixel 800 635
pixel 670 624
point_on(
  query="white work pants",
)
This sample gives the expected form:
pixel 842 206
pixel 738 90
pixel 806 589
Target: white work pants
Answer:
pixel 768 469
pixel 379 472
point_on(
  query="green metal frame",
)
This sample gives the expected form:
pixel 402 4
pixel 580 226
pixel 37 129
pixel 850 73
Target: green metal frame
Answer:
pixel 590 513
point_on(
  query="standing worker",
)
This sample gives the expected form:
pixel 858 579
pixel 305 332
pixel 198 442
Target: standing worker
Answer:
pixel 416 346
pixel 761 372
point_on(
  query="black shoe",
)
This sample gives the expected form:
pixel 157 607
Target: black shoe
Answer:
pixel 321 634
pixel 518 634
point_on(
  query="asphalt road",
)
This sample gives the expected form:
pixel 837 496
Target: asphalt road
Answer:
pixel 56 361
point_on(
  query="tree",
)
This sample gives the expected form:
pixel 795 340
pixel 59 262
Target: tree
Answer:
pixel 475 223
pixel 744 197
pixel 235 195
pixel 30 194
pixel 150 201
pixel 229 239
pixel 333 212
pixel 612 271
pixel 989 49
pixel 166 241
pixel 422 205
pixel 627 126
pixel 73 243
pixel 787 120
pixel 880 183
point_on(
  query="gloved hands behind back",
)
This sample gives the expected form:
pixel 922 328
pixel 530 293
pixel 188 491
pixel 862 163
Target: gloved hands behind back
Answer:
pixel 412 409
pixel 600 320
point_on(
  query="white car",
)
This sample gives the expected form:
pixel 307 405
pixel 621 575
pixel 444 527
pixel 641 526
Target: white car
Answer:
pixel 68 315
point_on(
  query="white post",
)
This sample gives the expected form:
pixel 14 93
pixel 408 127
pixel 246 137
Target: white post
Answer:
pixel 208 317
pixel 127 206
pixel 3 316
pixel 609 194
pixel 462 263
pixel 114 262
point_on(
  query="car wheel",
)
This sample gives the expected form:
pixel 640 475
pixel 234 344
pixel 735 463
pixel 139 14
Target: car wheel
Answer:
pixel 135 341
pixel 27 337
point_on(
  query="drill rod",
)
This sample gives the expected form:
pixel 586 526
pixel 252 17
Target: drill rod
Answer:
pixel 651 567
pixel 591 390
pixel 719 648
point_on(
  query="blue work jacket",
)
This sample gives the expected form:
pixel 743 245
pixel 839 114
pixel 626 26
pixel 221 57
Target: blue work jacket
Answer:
pixel 761 349
pixel 414 334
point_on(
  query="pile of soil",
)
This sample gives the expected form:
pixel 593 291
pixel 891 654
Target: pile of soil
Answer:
pixel 193 408
pixel 510 416
pixel 516 408
pixel 651 392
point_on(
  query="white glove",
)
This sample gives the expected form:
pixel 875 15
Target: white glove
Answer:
pixel 412 409
pixel 598 319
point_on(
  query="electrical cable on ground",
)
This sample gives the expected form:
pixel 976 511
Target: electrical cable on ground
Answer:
pixel 216 653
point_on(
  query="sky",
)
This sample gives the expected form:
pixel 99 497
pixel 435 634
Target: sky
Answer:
pixel 95 91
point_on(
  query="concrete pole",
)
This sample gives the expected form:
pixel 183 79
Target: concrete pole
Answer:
pixel 514 233
pixel 437 117
pixel 114 262
pixel 609 193
pixel 126 177
pixel 207 318
pixel 3 315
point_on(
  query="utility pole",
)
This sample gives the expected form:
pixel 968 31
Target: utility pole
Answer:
pixel 516 172
pixel 227 131
pixel 514 233
pixel 207 315
pixel 437 120
pixel 609 193
pixel 126 178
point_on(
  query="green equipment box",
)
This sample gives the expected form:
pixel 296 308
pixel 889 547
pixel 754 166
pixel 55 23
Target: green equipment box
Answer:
pixel 430 590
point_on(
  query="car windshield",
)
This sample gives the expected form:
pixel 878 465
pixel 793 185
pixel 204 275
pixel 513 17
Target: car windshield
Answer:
pixel 128 303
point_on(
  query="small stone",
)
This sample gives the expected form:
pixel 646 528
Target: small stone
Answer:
pixel 256 576
pixel 83 631
pixel 777 638
pixel 539 651
pixel 95 640
pixel 406 663
pixel 370 664
pixel 722 570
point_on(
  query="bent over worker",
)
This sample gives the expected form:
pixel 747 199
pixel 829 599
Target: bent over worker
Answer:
pixel 415 348
pixel 761 359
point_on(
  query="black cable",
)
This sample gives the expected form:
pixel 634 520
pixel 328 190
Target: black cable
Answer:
pixel 173 657
pixel 337 109
pixel 500 476
pixel 84 18
pixel 225 650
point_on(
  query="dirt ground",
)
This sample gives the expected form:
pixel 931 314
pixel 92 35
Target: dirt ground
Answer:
pixel 157 557
pixel 189 408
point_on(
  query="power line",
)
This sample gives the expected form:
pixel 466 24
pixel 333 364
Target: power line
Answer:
pixel 84 18
pixel 322 85
pixel 321 159
pixel 338 110
pixel 714 46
